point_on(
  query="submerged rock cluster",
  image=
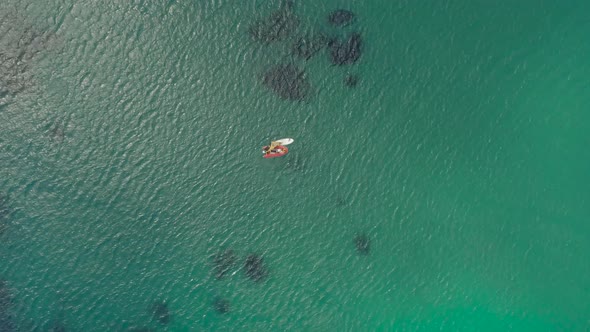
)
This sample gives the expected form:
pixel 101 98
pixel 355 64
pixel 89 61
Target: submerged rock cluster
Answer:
pixel 225 261
pixel 286 79
pixel 305 47
pixel 277 26
pixel 254 268
pixel 341 17
pixel 160 312
pixel 346 52
pixel 224 265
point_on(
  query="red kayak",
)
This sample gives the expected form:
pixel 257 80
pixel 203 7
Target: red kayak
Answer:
pixel 278 151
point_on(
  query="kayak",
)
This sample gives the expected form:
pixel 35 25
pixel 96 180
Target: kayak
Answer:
pixel 285 141
pixel 281 151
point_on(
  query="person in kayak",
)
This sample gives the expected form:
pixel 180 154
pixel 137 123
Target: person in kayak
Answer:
pixel 272 148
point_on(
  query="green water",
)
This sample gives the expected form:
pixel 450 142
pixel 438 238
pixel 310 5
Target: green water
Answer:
pixel 129 150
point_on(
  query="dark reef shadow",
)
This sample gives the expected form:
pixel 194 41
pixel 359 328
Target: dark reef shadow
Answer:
pixel 160 312
pixel 277 26
pixel 362 242
pixel 341 17
pixel 306 47
pixel 346 52
pixel 351 81
pixel 221 305
pixel 287 81
pixel 255 269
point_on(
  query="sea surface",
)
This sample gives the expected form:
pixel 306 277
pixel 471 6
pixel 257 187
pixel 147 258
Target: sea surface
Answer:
pixel 448 190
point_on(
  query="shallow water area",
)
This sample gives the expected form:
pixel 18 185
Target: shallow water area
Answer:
pixel 438 182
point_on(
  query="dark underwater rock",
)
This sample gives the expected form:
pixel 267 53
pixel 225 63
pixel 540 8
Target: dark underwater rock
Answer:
pixel 221 305
pixel 351 81
pixel 160 312
pixel 287 81
pixel 341 17
pixel 347 52
pixel 279 25
pixel 57 133
pixel 362 244
pixel 254 268
pixel 308 46
pixel 224 262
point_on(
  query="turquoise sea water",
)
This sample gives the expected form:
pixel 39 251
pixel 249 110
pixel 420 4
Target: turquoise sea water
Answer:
pixel 129 156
